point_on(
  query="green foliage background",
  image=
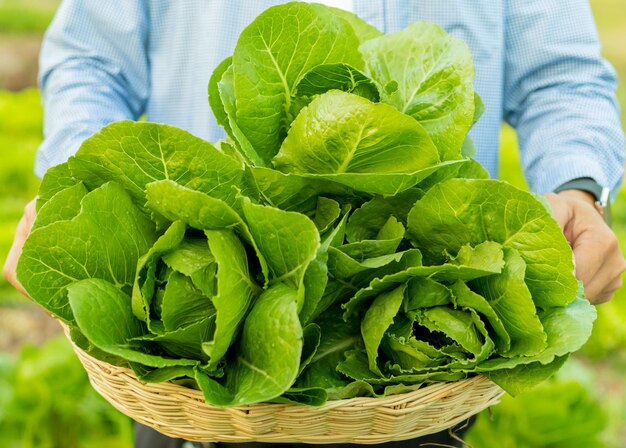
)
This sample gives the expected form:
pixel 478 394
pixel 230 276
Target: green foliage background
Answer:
pixel 45 399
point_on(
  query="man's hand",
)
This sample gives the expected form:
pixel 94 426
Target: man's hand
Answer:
pixel 22 231
pixel 599 260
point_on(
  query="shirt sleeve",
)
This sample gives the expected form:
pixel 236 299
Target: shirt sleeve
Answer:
pixel 93 70
pixel 560 95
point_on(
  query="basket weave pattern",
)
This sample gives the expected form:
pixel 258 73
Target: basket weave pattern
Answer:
pixel 178 411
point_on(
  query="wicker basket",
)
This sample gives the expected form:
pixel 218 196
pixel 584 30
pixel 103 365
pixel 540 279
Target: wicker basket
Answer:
pixel 178 411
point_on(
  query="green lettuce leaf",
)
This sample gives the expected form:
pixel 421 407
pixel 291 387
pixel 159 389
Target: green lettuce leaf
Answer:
pixel 316 276
pixel 215 99
pixel 483 260
pixel 193 258
pixel 160 375
pixel 363 30
pixel 326 213
pixel 337 337
pixel 292 192
pixel 145 282
pixel 387 240
pixel 63 206
pixel 313 396
pixel 226 90
pixel 323 139
pixel 366 221
pixel 199 210
pixel 183 304
pixel 268 354
pixel 356 366
pixel 458 211
pixel 326 77
pixel 464 297
pixel 377 319
pixel 510 298
pixel 423 292
pixel 185 341
pixel 268 64
pixel 567 329
pixel 236 291
pixel 103 314
pixel 524 377
pixel 57 178
pixel 288 241
pixel 135 154
pixel 429 80
pixel 105 240
pixel 463 327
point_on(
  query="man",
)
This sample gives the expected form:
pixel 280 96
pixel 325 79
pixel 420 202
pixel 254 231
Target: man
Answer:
pixel 538 66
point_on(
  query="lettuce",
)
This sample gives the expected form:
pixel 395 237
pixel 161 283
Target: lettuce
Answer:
pixel 339 242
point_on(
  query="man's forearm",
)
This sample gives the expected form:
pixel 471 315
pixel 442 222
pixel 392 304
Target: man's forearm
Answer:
pixel 560 95
pixel 79 99
pixel 93 70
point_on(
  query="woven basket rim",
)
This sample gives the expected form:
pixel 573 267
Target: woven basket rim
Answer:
pixel 179 411
pixel 356 402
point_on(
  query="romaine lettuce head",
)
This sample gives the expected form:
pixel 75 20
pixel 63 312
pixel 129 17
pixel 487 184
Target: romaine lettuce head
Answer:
pixel 339 242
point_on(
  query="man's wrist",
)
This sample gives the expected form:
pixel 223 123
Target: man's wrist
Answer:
pixel 588 190
pixel 578 194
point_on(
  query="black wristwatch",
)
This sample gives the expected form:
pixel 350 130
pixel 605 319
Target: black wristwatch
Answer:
pixel 602 194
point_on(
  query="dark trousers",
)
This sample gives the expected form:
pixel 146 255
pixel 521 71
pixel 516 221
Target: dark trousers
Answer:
pixel 146 437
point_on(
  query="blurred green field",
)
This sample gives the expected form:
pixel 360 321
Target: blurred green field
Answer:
pixel 47 402
pixel 26 16
pixel 585 406
pixel 20 134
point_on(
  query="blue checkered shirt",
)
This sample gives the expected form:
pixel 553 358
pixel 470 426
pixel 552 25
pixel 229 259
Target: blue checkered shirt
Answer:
pixel 538 67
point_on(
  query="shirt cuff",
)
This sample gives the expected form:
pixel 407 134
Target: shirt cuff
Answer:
pixel 554 173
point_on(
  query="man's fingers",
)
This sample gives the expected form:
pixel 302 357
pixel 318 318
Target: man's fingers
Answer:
pixel 21 233
pixel 606 295
pixel 598 292
pixel 560 211
pixel 599 260
pixel 596 251
pixel 599 263
pixel 589 263
pixel 8 271
pixel 601 289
